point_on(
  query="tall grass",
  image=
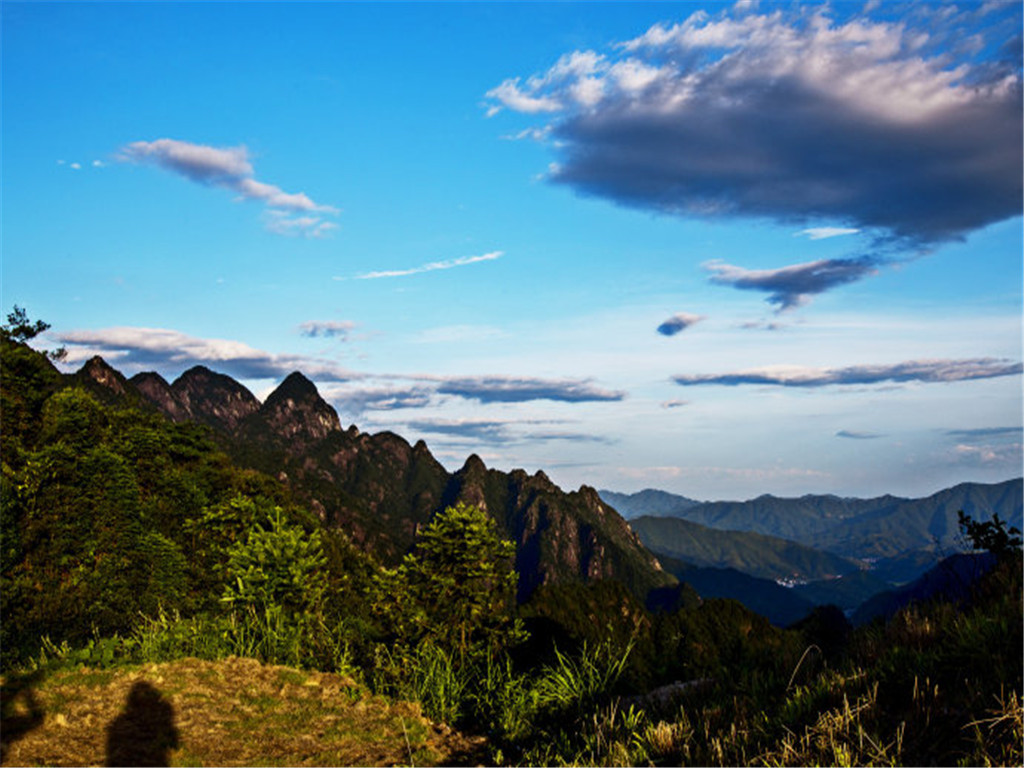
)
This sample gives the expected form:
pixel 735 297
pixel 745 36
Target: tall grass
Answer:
pixel 575 682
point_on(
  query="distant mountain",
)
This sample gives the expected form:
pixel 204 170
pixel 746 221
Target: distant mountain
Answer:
pixel 882 527
pixel 780 605
pixel 952 579
pixel 650 502
pixel 381 491
pixel 767 557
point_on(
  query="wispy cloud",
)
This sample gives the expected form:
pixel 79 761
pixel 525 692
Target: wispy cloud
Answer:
pixel 675 403
pixel 898 133
pixel 793 286
pixel 141 349
pixel 678 322
pixel 333 329
pixel 986 433
pixel 356 401
pixel 513 389
pixel 989 456
pixel 432 266
pixel 427 389
pixel 758 474
pixel 485 430
pixel 922 371
pixel 230 168
pixel 500 431
pixel 852 435
pixel 761 325
pixel 824 233
pixel 989 448
pixel 290 225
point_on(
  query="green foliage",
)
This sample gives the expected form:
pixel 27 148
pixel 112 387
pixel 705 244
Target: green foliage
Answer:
pixel 276 582
pixel 20 329
pixel 992 536
pixel 456 588
pixel 574 683
pixel 278 565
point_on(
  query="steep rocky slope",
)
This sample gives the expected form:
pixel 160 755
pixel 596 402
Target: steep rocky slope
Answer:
pixel 381 490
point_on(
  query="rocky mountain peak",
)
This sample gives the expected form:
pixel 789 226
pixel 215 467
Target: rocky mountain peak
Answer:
pixel 295 387
pixel 474 466
pixel 296 411
pixel 98 371
pixel 213 398
pixel 154 387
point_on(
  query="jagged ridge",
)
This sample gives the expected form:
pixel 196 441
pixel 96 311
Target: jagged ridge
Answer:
pixel 381 491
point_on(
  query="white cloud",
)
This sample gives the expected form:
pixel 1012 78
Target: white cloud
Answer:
pixel 432 266
pixel 230 168
pixel 140 349
pixel 897 132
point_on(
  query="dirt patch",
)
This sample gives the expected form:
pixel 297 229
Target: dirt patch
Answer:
pixel 230 712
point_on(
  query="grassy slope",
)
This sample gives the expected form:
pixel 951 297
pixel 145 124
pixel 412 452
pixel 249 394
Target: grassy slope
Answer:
pixel 230 712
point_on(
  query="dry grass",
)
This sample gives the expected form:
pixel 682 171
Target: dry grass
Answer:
pixel 231 712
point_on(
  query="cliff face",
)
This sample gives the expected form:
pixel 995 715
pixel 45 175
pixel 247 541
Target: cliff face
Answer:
pixel 381 490
pixel 560 537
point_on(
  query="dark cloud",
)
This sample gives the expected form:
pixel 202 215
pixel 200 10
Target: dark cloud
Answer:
pixel 170 352
pixel 678 322
pixel 792 286
pixel 923 371
pixel 508 389
pixel 858 435
pixel 794 117
pixel 985 433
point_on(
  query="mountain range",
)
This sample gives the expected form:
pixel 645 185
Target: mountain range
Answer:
pixel 380 490
pixel 756 554
pixel 875 530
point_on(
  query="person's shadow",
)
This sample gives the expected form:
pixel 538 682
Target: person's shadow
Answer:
pixel 20 710
pixel 144 734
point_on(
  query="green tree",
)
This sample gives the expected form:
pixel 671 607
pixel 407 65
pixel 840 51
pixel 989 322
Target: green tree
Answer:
pixel 278 565
pixel 992 536
pixel 20 329
pixel 459 584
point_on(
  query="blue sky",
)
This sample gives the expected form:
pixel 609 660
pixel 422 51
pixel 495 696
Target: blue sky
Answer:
pixel 720 249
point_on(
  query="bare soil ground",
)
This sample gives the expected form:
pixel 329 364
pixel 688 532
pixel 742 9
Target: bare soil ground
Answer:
pixel 201 713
